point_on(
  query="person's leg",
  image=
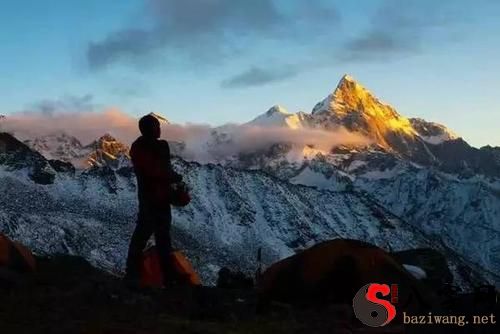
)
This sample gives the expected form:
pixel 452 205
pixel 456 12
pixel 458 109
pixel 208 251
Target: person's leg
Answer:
pixel 164 246
pixel 140 237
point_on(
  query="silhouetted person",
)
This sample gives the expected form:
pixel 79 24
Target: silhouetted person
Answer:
pixel 153 169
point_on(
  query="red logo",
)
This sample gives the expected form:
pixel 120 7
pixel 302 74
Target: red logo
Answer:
pixel 372 310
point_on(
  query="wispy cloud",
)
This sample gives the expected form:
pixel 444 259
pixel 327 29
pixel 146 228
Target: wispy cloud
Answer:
pixel 66 104
pixel 258 76
pixel 399 28
pixel 208 29
pixel 213 32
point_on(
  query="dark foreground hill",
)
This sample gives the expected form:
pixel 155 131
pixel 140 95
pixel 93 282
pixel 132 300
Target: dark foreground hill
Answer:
pixel 68 295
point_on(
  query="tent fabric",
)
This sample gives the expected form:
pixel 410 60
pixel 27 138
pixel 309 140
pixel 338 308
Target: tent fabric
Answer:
pixel 15 257
pixel 333 272
pixel 151 275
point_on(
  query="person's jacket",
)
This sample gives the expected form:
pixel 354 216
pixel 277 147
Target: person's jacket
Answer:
pixel 153 169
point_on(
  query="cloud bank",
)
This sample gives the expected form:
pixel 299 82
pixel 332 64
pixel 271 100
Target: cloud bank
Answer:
pixel 199 139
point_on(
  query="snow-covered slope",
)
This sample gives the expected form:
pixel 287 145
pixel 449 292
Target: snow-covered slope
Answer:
pixel 462 213
pixel 233 213
pixel 60 146
pixel 432 133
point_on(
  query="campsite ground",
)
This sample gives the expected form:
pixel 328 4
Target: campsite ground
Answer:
pixel 67 296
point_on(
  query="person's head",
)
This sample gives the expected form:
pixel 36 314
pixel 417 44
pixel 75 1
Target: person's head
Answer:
pixel 150 127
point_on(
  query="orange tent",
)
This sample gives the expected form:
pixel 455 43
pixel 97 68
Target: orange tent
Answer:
pixel 333 272
pixel 15 257
pixel 151 275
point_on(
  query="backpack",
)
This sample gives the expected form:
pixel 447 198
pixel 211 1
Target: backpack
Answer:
pixel 179 194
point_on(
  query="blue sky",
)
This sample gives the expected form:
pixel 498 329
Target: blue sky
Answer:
pixel 218 61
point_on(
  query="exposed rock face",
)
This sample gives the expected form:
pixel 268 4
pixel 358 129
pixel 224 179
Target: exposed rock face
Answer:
pixel 107 151
pixel 16 156
pixel 458 157
pixel 431 132
pixel 62 166
pixel 104 151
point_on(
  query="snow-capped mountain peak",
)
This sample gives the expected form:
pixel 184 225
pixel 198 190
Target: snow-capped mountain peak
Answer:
pixel 106 150
pixel 350 96
pixel 59 146
pixel 347 91
pixel 277 109
pixel 354 107
pixel 278 116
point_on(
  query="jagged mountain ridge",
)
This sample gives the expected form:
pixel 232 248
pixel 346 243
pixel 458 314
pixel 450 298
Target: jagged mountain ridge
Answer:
pixel 379 169
pixel 107 151
pixel 433 161
pixel 432 133
pixel 233 213
pixel 58 146
pixel 104 151
pixel 19 158
pixel 353 107
pixel 350 106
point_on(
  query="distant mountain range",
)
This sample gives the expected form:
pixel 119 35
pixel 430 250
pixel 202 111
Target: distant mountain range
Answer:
pixel 412 184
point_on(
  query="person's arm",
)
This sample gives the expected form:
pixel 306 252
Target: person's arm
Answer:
pixel 173 175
